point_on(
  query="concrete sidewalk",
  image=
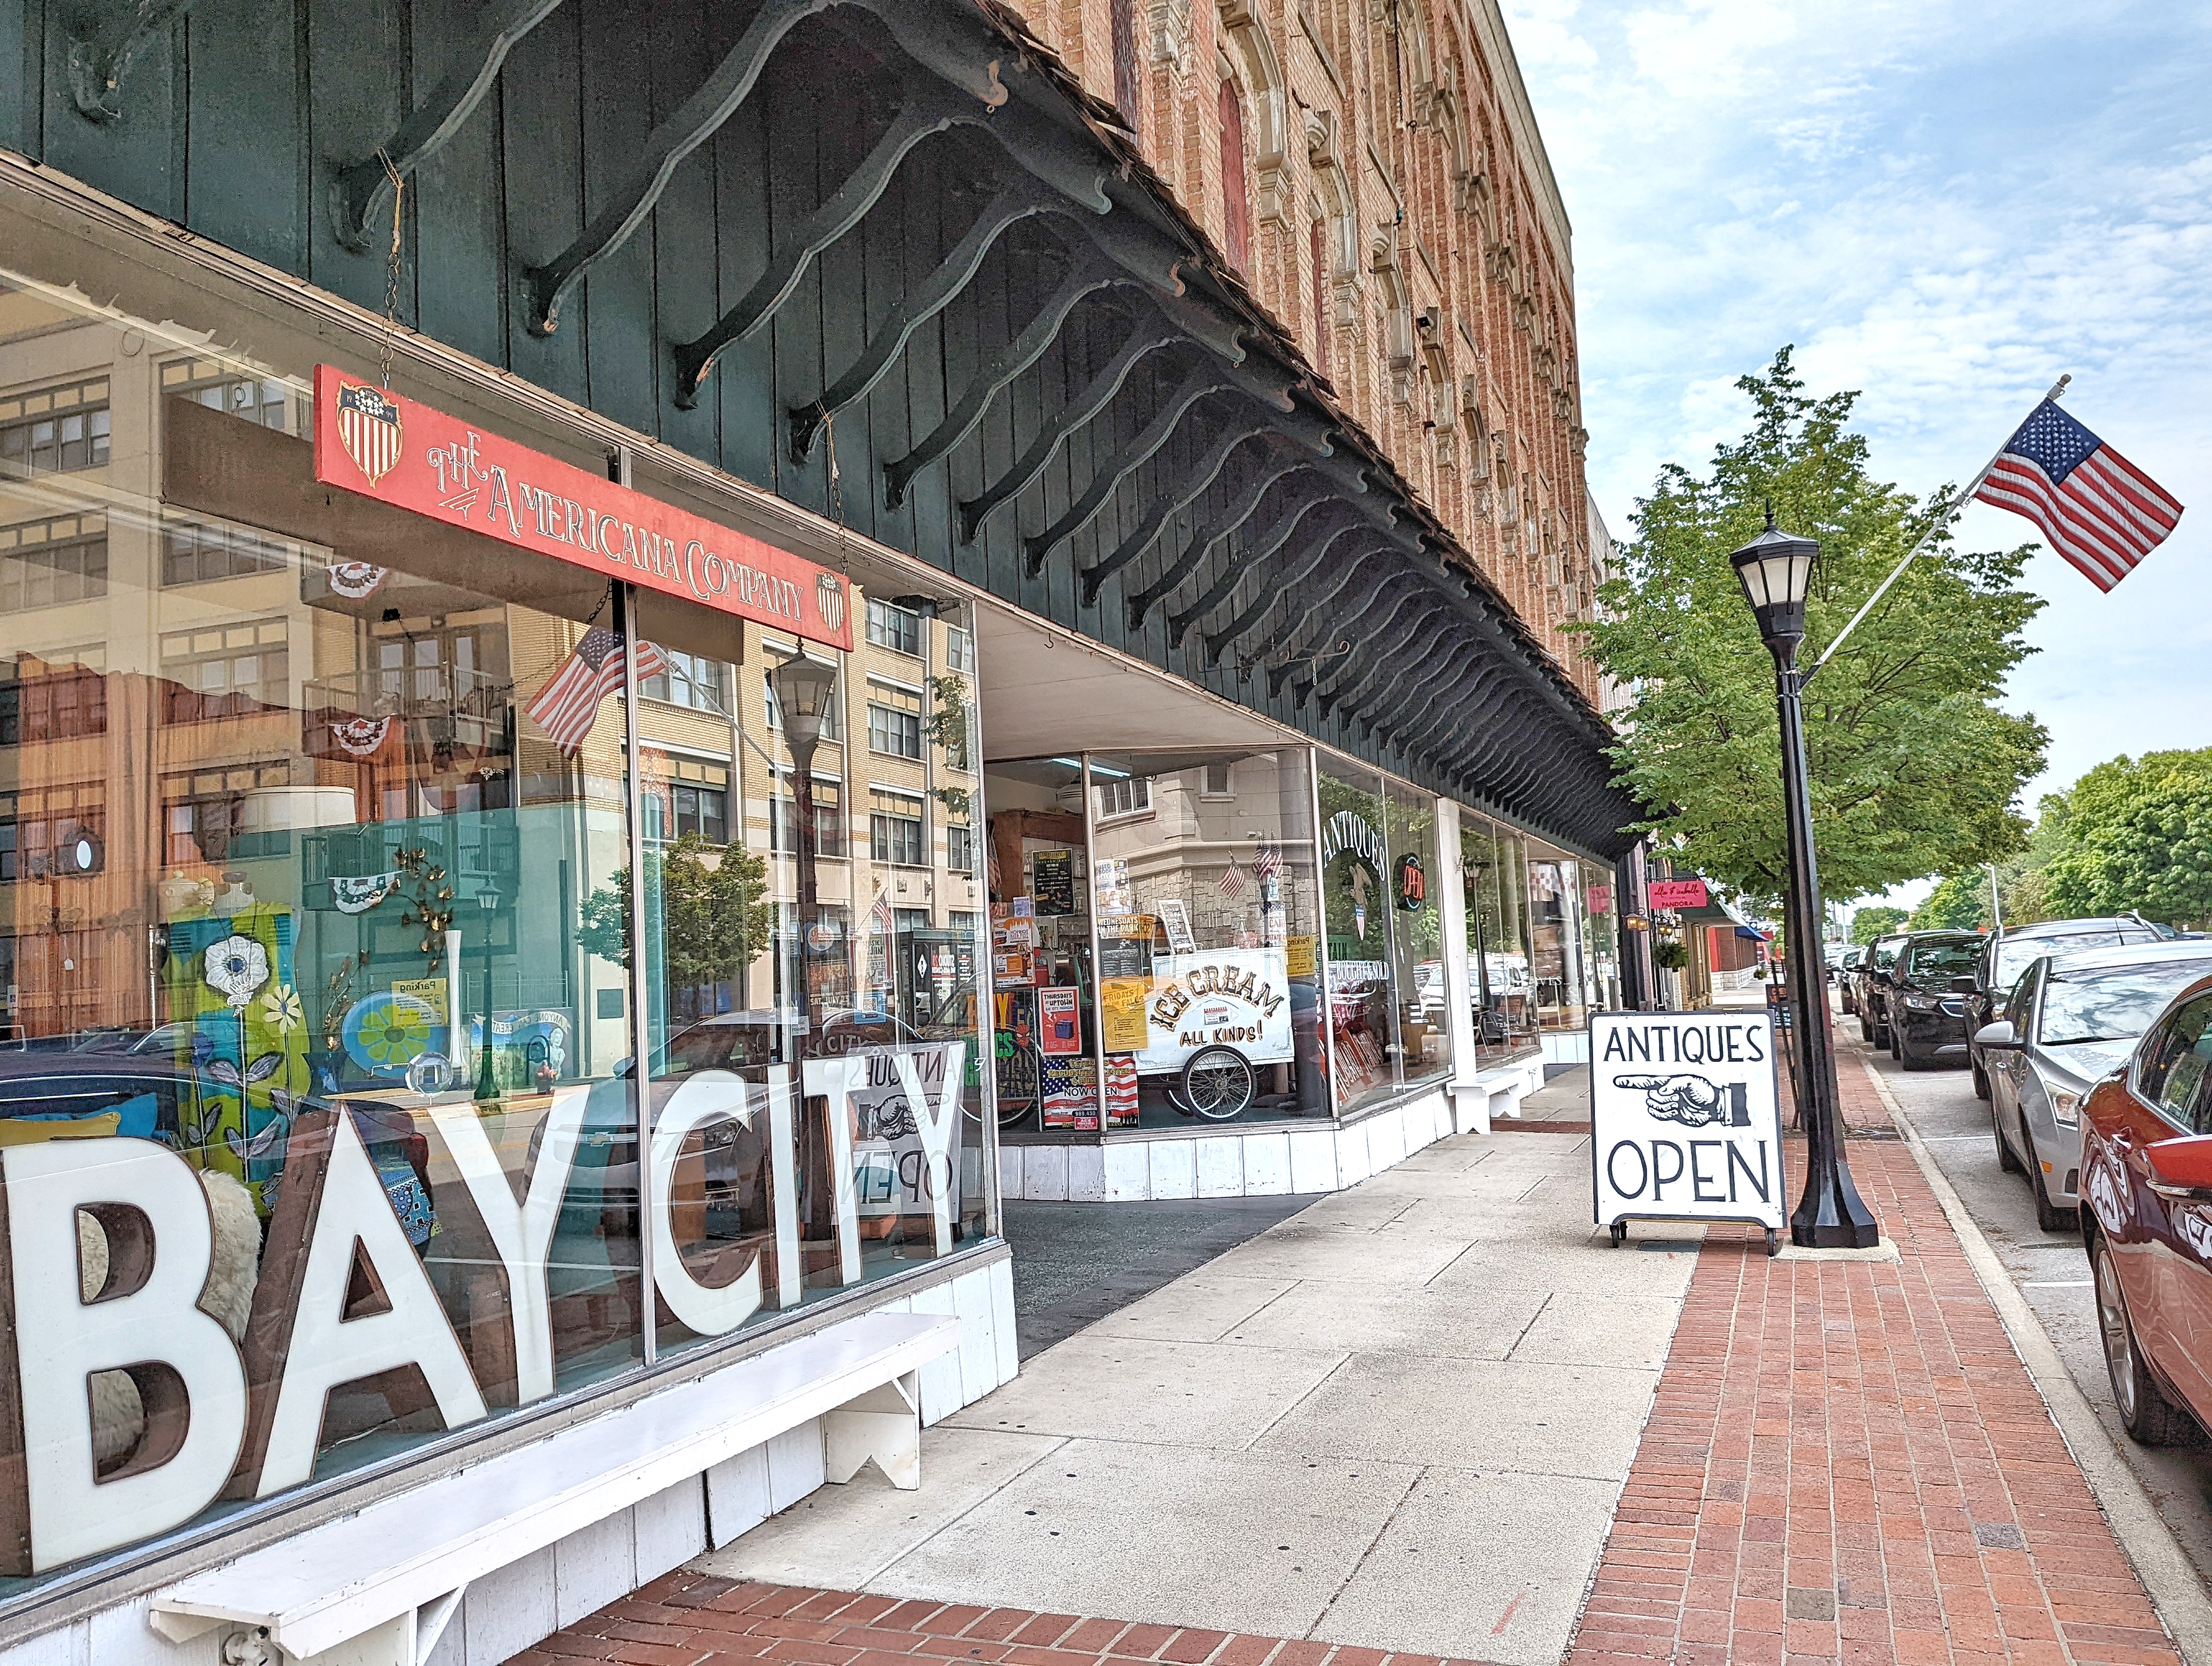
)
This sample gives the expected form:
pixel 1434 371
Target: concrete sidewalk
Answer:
pixel 1395 1426
pixel 1399 1418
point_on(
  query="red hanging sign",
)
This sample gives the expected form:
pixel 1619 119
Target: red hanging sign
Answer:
pixel 414 457
pixel 1678 893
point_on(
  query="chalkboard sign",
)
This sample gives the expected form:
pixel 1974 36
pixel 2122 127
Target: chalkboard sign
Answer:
pixel 1052 881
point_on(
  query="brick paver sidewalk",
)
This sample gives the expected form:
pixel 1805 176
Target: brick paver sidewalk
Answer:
pixel 684 1618
pixel 1846 1461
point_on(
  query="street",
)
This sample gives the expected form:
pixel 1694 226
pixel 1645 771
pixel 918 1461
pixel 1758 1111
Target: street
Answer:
pixel 2050 1271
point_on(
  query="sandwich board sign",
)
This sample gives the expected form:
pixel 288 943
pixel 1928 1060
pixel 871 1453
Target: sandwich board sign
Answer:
pixel 1685 1123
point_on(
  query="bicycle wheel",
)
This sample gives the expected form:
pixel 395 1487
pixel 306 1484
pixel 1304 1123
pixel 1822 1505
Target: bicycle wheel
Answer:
pixel 1219 1084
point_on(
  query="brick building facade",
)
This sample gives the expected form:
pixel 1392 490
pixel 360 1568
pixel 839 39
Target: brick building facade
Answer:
pixel 1374 170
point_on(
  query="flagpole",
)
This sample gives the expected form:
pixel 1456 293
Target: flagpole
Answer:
pixel 1940 524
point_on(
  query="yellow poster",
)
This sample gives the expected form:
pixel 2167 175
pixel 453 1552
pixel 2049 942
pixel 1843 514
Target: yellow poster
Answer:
pixel 1121 1013
pixel 1298 953
pixel 430 991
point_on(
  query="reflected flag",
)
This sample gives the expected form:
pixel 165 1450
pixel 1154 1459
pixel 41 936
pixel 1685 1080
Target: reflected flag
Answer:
pixel 1268 862
pixel 2099 511
pixel 1232 881
pixel 568 704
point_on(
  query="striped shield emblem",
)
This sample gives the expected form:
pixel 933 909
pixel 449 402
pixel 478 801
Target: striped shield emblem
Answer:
pixel 368 428
pixel 830 599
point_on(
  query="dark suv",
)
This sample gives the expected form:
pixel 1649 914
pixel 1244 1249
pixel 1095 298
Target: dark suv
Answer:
pixel 2007 953
pixel 1926 999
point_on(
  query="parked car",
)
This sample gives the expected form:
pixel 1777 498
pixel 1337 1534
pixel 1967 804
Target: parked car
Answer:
pixel 2007 954
pixel 1847 976
pixel 1925 1000
pixel 1874 983
pixel 1833 956
pixel 2071 1019
pixel 2147 1186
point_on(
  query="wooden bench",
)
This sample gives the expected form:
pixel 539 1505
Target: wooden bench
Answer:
pixel 376 1587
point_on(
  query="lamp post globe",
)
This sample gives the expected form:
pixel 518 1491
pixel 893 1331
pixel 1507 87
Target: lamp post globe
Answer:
pixel 1776 571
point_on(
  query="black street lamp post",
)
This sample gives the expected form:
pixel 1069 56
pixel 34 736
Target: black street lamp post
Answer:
pixel 804 686
pixel 1776 569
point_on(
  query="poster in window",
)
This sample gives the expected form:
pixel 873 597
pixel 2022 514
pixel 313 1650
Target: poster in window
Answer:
pixel 1300 953
pixel 1071 1093
pixel 1060 1022
pixel 1109 885
pixel 1052 881
pixel 1121 1013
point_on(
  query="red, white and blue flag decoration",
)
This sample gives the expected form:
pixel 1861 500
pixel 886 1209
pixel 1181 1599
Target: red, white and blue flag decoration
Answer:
pixel 568 704
pixel 2099 511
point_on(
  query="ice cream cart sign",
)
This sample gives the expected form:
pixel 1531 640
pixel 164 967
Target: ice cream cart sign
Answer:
pixel 1685 1121
pixel 1236 998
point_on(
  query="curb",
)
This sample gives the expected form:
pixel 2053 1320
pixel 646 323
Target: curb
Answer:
pixel 2169 1576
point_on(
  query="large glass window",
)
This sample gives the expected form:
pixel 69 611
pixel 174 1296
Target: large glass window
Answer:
pixel 1557 941
pixel 1355 870
pixel 1497 961
pixel 1416 968
pixel 320 935
pixel 1208 995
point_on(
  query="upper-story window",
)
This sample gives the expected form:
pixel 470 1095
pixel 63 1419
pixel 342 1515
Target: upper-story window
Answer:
pixel 691 680
pixel 1320 238
pixel 959 650
pixel 895 628
pixel 1234 208
pixel 56 429
pixel 894 721
pixel 1123 798
pixel 60 698
pixel 44 562
pixel 225 670
pixel 265 403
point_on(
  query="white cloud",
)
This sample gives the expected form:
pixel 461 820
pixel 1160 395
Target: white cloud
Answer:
pixel 1942 204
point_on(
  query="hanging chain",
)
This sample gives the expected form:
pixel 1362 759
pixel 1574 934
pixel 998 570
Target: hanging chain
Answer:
pixel 836 490
pixel 392 276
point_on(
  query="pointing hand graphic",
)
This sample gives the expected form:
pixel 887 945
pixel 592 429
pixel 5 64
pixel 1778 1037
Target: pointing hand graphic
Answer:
pixel 1691 1100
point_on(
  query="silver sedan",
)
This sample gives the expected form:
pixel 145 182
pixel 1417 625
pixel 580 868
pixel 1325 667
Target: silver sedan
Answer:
pixel 2071 1019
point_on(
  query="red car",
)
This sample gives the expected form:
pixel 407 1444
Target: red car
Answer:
pixel 2147 1193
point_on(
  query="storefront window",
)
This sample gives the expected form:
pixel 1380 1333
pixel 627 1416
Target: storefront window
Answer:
pixel 1556 905
pixel 1417 965
pixel 1363 999
pixel 1497 969
pixel 328 842
pixel 1208 923
pixel 1044 1026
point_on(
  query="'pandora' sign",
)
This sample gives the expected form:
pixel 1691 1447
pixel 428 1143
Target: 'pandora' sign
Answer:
pixel 1685 1122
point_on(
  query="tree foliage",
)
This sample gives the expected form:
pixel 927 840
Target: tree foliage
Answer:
pixel 1868 923
pixel 1960 902
pixel 708 917
pixel 2133 835
pixel 1913 766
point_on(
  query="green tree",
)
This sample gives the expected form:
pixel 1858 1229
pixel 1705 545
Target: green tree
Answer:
pixel 2133 835
pixel 1913 765
pixel 708 916
pixel 1960 902
pixel 1868 923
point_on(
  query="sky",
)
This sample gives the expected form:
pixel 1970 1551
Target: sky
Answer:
pixel 1944 204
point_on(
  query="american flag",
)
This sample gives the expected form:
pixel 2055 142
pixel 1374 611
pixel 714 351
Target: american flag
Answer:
pixel 1266 862
pixel 2098 510
pixel 568 704
pixel 1232 881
